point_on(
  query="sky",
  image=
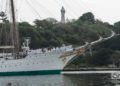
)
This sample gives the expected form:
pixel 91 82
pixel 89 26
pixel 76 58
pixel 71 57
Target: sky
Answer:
pixel 105 10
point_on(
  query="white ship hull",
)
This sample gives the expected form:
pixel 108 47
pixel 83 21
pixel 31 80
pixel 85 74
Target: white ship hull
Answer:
pixel 35 63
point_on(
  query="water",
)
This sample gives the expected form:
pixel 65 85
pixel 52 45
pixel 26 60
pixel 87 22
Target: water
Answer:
pixel 59 80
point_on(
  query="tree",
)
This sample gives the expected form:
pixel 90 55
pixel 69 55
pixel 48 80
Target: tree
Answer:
pixel 117 27
pixel 88 17
pixel 4 29
pixel 102 57
pixel 115 58
pixel 52 20
pixel 43 24
pixel 3 15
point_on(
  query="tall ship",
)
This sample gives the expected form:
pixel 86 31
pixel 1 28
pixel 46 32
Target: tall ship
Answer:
pixel 17 59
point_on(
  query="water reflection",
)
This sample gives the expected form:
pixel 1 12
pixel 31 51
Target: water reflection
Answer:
pixel 46 80
pixel 88 80
pixel 59 80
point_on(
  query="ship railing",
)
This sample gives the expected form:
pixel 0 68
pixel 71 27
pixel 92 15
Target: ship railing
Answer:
pixel 57 50
pixel 73 52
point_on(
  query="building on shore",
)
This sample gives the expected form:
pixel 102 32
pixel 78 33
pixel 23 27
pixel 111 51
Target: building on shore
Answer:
pixel 62 15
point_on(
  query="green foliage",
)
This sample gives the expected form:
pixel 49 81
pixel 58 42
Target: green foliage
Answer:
pixel 43 24
pixel 101 29
pixel 87 17
pixel 4 29
pixel 101 57
pixel 104 54
pixel 117 27
pixel 49 33
pixel 96 26
pixel 115 58
pixel 113 44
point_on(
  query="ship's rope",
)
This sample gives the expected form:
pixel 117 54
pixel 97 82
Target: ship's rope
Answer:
pixel 33 8
pixel 19 8
pixel 1 5
pixel 42 7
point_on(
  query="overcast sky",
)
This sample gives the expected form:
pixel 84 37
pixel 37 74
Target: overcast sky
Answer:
pixel 105 10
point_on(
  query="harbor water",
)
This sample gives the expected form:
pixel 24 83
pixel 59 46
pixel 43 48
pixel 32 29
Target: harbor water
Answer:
pixel 59 80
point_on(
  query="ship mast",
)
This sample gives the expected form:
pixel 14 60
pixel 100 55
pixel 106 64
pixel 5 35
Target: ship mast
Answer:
pixel 14 31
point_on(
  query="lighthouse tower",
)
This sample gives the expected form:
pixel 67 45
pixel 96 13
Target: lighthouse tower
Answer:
pixel 63 15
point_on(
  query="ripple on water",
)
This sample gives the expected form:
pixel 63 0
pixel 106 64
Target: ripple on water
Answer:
pixel 59 80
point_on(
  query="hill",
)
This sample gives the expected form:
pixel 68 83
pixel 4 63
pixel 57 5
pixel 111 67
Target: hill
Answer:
pixel 105 54
pixel 46 34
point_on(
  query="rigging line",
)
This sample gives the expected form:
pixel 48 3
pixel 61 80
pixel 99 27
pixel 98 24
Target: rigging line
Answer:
pixel 1 8
pixel 76 6
pixel 0 4
pixel 59 3
pixel 80 4
pixel 77 11
pixel 42 6
pixel 19 9
pixel 72 13
pixel 20 4
pixel 6 7
pixel 68 9
pixel 71 8
pixel 43 9
pixel 89 8
pixel 62 2
pixel 33 8
pixel 62 5
pixel 9 12
pixel 57 9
